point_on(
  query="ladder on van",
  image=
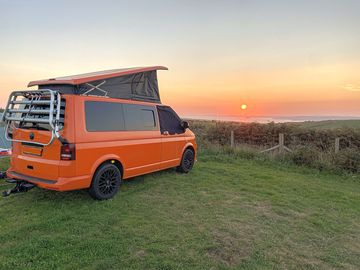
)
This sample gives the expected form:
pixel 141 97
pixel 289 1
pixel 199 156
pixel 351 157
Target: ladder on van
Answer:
pixel 38 107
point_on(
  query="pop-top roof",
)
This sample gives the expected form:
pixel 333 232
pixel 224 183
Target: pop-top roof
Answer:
pixel 94 76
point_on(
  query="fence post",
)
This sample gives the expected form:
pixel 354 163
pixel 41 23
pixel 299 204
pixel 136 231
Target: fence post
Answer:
pixel 281 142
pixel 337 145
pixel 232 143
pixel 281 146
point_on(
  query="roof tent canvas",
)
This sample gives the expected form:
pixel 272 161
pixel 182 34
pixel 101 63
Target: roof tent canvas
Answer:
pixel 132 83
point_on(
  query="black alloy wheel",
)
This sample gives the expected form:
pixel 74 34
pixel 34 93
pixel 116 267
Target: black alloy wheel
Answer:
pixel 187 161
pixel 106 182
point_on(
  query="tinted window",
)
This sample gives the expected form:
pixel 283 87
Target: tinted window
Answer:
pixel 139 117
pixel 110 116
pixel 149 118
pixel 169 120
pixel 104 116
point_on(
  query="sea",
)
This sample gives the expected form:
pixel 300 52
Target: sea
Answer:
pixel 269 119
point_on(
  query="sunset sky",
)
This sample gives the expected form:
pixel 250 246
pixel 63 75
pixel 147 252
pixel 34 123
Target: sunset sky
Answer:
pixel 281 58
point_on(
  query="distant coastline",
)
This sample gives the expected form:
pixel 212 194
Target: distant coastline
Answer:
pixel 269 119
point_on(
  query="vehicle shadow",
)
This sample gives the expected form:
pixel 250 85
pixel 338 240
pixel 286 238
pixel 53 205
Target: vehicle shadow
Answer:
pixel 134 184
pixel 150 176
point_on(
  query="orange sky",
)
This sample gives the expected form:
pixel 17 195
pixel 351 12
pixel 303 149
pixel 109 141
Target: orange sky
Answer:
pixel 279 59
pixel 318 90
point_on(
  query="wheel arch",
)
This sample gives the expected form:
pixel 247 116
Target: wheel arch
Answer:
pixel 113 159
pixel 189 146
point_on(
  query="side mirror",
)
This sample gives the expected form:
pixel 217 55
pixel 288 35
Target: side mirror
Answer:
pixel 185 125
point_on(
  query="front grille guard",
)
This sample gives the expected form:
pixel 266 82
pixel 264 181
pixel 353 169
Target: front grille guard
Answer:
pixel 29 113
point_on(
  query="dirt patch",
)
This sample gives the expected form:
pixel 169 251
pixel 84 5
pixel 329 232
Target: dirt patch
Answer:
pixel 230 247
pixel 141 254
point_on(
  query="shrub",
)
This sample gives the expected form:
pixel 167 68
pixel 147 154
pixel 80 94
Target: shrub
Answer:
pixel 306 156
pixel 348 160
pixel 312 147
pixel 266 135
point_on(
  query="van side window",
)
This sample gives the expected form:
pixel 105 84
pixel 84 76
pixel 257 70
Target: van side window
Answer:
pixel 169 120
pixel 104 116
pixel 113 116
pixel 149 118
pixel 139 117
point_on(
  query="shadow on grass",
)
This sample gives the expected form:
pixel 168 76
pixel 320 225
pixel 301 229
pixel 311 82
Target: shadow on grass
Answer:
pixel 130 185
pixel 134 181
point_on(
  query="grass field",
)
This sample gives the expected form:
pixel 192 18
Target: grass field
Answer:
pixel 228 213
pixel 331 124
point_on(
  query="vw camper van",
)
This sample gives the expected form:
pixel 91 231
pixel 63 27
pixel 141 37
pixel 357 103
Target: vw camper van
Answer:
pixel 94 130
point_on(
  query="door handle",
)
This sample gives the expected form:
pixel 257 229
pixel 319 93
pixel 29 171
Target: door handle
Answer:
pixel 166 133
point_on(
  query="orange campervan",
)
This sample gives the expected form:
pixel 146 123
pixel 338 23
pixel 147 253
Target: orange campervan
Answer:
pixel 93 130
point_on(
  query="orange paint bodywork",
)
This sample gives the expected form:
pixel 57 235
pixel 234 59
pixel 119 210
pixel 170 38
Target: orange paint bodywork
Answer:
pixel 135 152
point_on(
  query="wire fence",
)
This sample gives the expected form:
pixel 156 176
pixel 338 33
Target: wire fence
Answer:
pixel 280 146
pixel 267 135
pixel 330 148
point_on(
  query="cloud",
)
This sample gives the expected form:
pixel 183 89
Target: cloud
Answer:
pixel 352 87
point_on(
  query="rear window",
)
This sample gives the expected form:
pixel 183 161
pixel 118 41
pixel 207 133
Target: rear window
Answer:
pixel 39 126
pixel 112 116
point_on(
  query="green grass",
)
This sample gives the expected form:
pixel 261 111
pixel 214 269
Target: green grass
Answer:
pixel 228 213
pixel 331 124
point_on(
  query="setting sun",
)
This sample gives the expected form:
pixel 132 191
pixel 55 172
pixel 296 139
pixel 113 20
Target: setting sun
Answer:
pixel 243 106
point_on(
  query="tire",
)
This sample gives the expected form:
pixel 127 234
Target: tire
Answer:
pixel 106 182
pixel 187 161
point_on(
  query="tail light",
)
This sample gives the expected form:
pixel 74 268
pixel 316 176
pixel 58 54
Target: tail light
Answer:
pixel 67 152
